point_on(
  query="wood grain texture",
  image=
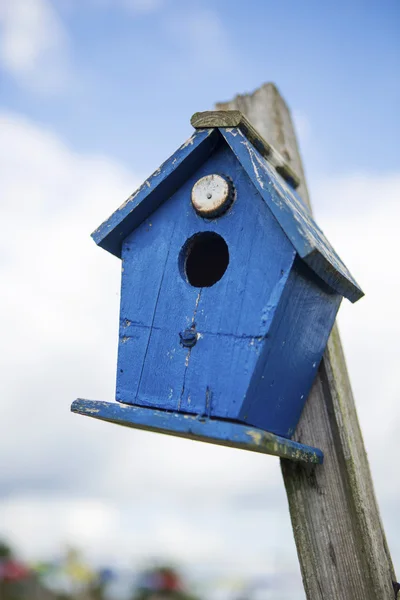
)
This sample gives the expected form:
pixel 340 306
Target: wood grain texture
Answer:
pixel 234 118
pixel 220 118
pixel 198 428
pixel 336 523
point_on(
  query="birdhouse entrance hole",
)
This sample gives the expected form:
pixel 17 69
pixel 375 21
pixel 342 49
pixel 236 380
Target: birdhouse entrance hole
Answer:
pixel 205 258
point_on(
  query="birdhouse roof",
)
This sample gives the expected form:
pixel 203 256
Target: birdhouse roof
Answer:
pixel 270 174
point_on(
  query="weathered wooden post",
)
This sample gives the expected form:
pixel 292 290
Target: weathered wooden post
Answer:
pixel 336 524
pixel 229 294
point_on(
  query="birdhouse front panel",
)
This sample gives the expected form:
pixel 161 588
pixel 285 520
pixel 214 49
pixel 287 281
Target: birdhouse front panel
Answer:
pixel 199 296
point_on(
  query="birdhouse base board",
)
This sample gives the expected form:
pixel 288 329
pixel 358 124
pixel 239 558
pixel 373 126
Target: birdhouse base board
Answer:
pixel 214 431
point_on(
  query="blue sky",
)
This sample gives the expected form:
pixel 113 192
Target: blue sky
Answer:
pixel 94 95
pixel 132 73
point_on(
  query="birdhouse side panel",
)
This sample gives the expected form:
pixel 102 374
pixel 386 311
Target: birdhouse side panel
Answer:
pixel 286 371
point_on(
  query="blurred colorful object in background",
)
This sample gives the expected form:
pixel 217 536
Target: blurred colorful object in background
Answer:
pixel 160 582
pixel 10 568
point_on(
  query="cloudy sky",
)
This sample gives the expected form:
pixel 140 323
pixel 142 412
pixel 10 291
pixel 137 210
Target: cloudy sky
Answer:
pixel 94 94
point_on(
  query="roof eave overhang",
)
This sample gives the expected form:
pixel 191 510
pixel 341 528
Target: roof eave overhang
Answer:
pixel 164 182
pixel 293 216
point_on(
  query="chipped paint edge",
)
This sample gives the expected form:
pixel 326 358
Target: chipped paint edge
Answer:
pixel 215 431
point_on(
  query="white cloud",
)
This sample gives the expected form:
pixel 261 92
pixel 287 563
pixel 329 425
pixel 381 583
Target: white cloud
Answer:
pixel 27 519
pixel 51 199
pixel 360 215
pixel 33 43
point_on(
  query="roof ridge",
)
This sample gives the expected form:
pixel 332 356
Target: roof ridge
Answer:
pixel 224 119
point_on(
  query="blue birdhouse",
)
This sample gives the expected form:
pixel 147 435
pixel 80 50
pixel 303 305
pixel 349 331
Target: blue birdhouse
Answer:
pixel 229 293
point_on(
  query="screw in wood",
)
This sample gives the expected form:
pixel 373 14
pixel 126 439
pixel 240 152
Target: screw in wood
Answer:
pixel 188 337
